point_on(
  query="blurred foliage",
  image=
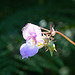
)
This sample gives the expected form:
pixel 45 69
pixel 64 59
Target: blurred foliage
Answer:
pixel 14 14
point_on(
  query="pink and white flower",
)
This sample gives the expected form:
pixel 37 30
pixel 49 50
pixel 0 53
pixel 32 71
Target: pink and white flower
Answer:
pixel 33 36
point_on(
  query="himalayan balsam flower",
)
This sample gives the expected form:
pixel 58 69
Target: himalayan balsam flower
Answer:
pixel 34 40
pixel 33 36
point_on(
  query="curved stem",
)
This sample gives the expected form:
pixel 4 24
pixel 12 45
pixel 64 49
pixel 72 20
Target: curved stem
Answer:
pixel 60 34
pixel 65 37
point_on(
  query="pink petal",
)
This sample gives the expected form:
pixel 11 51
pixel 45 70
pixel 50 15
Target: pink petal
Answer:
pixel 32 30
pixel 26 50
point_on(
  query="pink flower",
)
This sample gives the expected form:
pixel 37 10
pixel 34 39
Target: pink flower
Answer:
pixel 33 36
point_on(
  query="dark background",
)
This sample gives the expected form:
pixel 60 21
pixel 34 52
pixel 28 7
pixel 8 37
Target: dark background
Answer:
pixel 14 14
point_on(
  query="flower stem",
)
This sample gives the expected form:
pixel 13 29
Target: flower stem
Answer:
pixel 46 33
pixel 45 29
pixel 65 37
pixel 60 34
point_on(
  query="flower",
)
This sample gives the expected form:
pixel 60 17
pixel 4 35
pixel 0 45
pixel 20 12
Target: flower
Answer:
pixel 33 36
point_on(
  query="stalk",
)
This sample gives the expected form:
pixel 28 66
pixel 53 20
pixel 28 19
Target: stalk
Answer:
pixel 60 34
pixel 65 37
pixel 45 29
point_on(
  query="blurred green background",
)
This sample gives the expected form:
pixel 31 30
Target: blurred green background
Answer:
pixel 14 14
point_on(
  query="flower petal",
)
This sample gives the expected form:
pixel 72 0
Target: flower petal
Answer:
pixel 32 30
pixel 26 50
